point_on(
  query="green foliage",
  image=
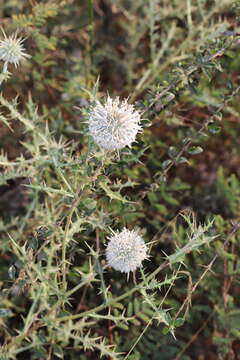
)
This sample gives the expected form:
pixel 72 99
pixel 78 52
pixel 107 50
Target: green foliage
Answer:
pixel 61 196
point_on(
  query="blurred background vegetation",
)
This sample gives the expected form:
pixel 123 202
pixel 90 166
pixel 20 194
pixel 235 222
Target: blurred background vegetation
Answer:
pixel 133 49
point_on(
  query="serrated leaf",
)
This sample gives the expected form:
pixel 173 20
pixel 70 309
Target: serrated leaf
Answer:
pixel 111 194
pixel 50 190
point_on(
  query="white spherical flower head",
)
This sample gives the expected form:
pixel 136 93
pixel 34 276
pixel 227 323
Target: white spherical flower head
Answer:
pixel 114 124
pixel 126 250
pixel 12 50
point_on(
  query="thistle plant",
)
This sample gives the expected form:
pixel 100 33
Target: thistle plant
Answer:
pixel 126 250
pixel 64 292
pixel 12 50
pixel 114 124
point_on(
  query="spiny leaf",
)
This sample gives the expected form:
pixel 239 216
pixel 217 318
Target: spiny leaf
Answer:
pixel 111 194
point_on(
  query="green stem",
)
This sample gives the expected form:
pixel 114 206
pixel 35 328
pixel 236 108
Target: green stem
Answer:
pixel 65 239
pixel 60 174
pixel 30 319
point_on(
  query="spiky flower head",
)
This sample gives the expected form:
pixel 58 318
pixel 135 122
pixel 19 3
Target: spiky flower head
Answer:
pixel 114 124
pixel 12 50
pixel 126 250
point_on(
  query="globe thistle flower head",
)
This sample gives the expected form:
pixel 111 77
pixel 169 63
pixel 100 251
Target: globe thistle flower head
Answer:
pixel 126 250
pixel 12 50
pixel 114 124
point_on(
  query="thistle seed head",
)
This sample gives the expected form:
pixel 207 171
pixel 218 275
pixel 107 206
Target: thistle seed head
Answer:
pixel 126 250
pixel 114 124
pixel 12 50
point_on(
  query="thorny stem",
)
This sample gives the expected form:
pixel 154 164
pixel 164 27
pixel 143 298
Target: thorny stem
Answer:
pixel 203 127
pixel 206 123
pixel 60 174
pixel 150 321
pixel 188 73
pixel 166 263
pixel 194 337
pixel 235 228
pixel 97 241
pixel 179 50
pixel 65 239
pixel 140 286
pixel 118 298
pixel 79 193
